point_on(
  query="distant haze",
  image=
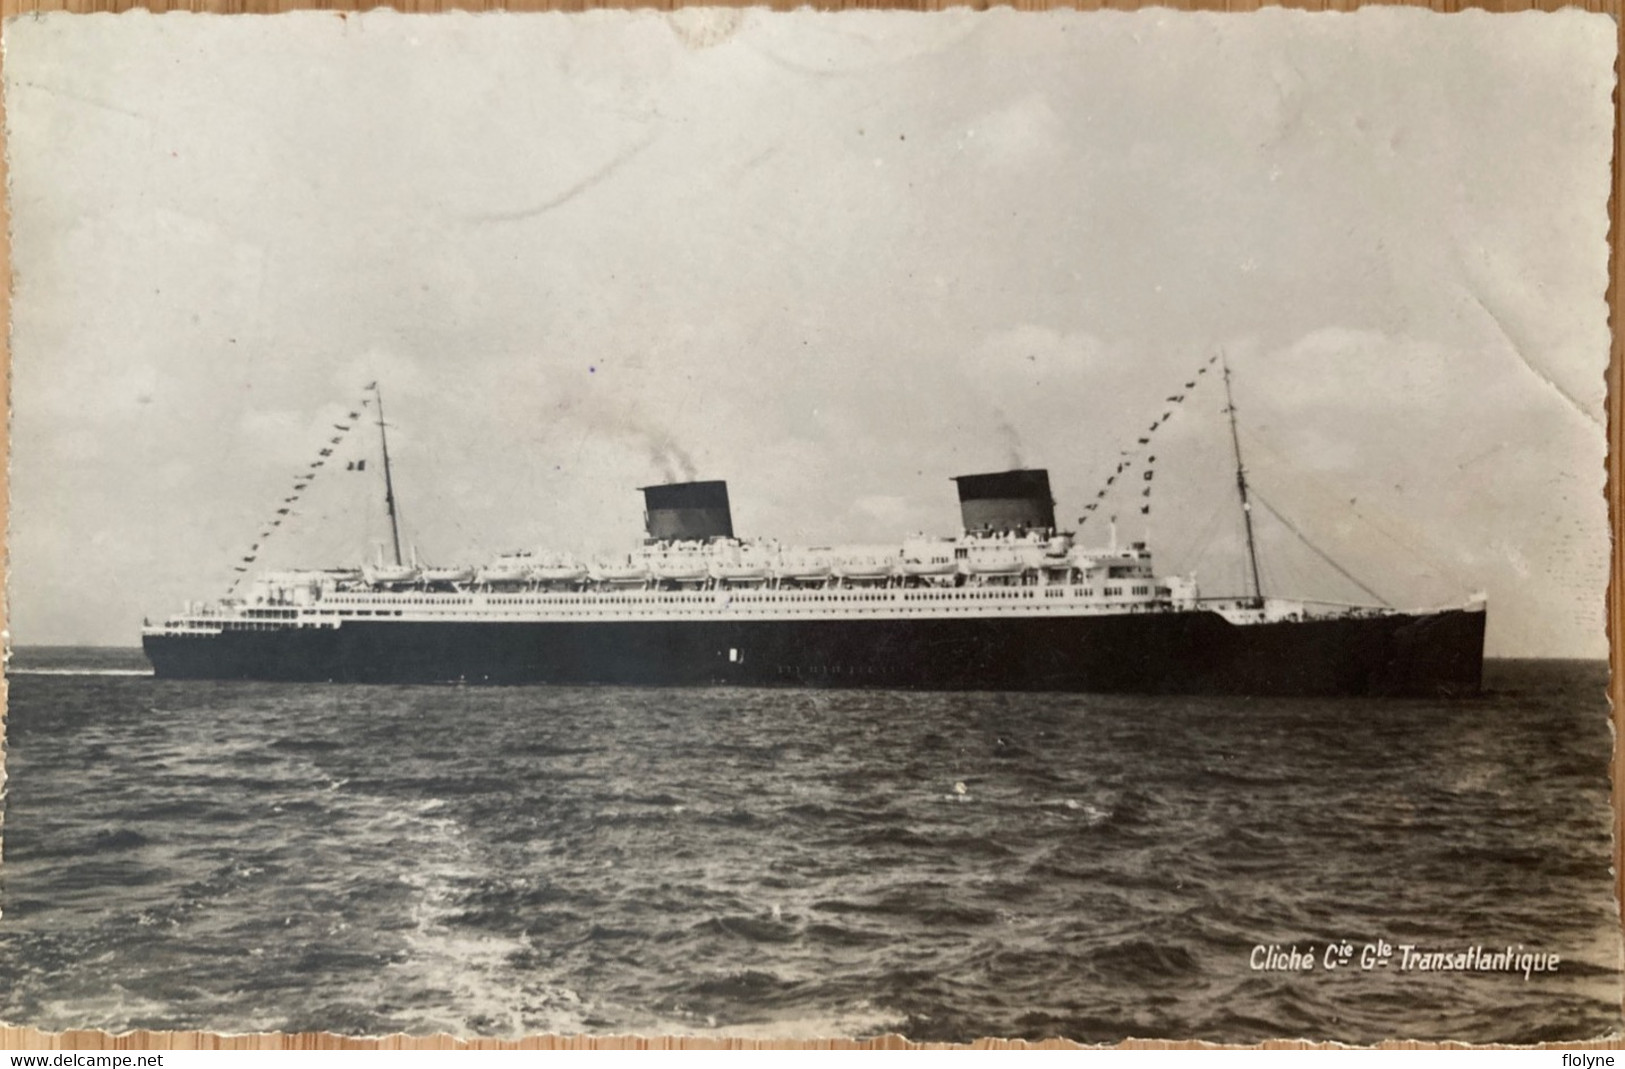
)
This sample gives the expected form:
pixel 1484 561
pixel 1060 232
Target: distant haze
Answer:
pixel 834 259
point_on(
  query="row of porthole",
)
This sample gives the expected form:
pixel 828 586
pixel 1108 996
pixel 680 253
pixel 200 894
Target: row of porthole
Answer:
pixel 949 595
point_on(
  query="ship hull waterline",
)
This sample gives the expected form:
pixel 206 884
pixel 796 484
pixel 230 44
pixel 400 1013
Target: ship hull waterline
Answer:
pixel 1195 652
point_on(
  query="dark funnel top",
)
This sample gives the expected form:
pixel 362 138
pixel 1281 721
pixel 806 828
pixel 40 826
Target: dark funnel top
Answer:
pixel 1006 500
pixel 683 512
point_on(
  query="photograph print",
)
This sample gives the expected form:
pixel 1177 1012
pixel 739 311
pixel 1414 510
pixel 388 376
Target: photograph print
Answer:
pixel 736 523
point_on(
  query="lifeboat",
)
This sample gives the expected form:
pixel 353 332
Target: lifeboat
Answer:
pixel 803 571
pixel 738 571
pixel 624 572
pixel 682 569
pixel 558 573
pixel 864 569
pixel 996 566
pixel 927 568
pixel 388 574
pixel 447 575
pixel 505 570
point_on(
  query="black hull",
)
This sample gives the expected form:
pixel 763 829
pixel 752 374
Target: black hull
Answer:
pixel 1421 655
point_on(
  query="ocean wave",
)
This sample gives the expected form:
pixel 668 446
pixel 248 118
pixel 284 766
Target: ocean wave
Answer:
pixel 745 984
pixel 846 935
pixel 1142 961
pixel 752 929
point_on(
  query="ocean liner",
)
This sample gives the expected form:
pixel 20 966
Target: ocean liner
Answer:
pixel 1012 602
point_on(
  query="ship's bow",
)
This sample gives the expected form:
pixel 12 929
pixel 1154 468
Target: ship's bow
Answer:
pixel 1438 654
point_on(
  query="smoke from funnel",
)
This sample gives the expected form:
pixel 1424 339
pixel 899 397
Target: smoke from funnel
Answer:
pixel 622 417
pixel 674 462
pixel 1014 450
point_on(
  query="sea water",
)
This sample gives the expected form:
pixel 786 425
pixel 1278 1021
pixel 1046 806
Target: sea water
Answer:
pixel 792 863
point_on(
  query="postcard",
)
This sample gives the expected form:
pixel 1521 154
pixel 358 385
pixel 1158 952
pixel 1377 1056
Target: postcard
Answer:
pixel 811 524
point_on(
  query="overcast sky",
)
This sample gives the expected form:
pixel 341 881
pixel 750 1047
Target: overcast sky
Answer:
pixel 834 259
